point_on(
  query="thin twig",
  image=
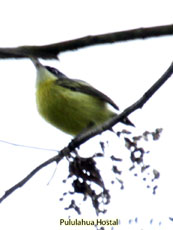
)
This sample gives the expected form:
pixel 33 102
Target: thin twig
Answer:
pixel 76 142
pixel 53 50
pixel 27 146
pixel 56 158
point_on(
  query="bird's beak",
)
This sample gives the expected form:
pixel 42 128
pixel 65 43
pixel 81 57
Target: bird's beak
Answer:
pixel 36 62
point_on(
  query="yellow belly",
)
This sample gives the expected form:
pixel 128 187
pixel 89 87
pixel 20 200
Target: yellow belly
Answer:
pixel 70 111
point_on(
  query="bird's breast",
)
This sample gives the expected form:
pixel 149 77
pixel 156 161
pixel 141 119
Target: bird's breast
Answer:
pixel 68 110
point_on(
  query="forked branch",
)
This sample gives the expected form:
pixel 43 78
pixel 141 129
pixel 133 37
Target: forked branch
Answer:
pixel 53 50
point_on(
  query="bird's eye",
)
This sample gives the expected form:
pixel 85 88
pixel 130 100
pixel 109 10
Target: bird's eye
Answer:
pixel 55 72
pixel 52 70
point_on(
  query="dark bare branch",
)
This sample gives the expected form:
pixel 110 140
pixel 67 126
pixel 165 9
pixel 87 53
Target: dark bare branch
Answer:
pixel 137 105
pixel 57 159
pixel 53 50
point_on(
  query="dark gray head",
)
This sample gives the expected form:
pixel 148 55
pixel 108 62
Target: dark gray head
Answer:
pixel 56 72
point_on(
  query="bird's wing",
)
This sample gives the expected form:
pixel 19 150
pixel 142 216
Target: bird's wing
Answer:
pixel 83 87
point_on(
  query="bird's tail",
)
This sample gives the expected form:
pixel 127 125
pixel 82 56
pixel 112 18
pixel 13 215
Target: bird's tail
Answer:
pixel 127 122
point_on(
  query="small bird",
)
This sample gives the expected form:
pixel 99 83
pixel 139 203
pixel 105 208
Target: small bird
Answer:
pixel 70 105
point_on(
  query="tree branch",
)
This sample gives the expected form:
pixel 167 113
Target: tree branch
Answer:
pixel 51 51
pixel 137 105
pixel 56 158
pixel 76 142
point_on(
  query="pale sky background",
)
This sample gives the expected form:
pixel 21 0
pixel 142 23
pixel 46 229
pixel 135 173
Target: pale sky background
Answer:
pixel 124 71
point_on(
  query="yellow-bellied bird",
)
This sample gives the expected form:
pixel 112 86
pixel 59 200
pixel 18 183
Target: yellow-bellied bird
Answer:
pixel 69 104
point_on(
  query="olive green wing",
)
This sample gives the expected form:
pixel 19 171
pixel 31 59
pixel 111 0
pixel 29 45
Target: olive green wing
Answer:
pixel 83 87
